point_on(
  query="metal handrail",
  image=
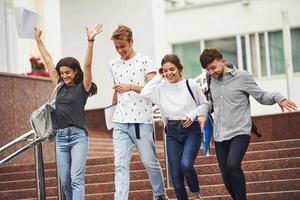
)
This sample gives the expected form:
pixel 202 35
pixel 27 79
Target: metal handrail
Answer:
pixel 38 156
pixel 16 141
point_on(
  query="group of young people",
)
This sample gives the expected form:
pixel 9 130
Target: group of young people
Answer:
pixel 184 107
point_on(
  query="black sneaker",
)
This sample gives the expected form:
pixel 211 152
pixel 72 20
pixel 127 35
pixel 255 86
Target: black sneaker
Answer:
pixel 162 197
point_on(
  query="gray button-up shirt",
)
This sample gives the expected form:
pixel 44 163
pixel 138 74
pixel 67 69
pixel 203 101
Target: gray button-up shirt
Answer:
pixel 232 115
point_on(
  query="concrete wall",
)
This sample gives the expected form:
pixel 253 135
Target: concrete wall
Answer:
pixel 19 97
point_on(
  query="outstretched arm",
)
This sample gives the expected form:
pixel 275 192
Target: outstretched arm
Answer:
pixel 287 104
pixel 46 56
pixel 87 70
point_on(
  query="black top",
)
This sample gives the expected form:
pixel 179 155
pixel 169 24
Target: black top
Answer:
pixel 69 107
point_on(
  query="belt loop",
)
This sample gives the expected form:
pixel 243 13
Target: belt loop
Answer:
pixel 137 130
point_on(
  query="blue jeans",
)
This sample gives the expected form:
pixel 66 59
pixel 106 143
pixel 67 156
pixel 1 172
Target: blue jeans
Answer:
pixel 183 145
pixel 124 138
pixel 230 154
pixel 71 153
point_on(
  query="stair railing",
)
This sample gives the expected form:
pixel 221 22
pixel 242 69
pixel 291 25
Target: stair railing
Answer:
pixel 36 143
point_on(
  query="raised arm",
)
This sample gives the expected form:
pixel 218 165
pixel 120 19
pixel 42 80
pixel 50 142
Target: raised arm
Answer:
pixel 87 70
pixel 46 56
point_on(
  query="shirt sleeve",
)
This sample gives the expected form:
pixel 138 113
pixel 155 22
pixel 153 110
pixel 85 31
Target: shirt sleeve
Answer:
pixel 202 103
pixel 148 65
pixel 151 89
pixel 263 97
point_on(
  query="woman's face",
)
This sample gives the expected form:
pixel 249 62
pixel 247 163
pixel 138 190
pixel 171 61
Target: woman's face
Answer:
pixel 68 75
pixel 171 72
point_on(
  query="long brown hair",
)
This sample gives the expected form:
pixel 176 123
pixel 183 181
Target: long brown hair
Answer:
pixel 74 64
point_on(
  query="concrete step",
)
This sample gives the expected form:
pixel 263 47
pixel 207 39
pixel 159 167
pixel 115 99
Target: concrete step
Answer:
pixel 207 179
pixel 141 193
pixel 266 165
pixel 254 147
pixel 208 163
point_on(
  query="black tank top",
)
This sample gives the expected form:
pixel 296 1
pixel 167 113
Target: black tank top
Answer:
pixel 69 107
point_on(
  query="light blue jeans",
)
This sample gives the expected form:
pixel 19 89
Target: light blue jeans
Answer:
pixel 124 138
pixel 71 151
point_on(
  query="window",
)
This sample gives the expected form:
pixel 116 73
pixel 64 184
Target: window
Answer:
pixel 188 54
pixel 244 52
pixel 295 39
pixel 227 46
pixel 263 59
pixel 276 52
pixel 261 53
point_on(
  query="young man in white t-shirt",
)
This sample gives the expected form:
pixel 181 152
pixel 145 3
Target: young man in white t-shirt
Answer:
pixel 133 115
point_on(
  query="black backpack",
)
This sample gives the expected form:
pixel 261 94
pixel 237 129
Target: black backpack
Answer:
pixel 209 97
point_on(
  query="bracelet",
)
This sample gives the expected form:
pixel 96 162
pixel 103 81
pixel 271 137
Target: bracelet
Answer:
pixel 91 40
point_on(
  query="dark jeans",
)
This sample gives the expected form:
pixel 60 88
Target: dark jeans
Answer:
pixel 230 154
pixel 183 145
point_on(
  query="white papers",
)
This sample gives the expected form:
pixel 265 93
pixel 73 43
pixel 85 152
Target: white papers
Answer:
pixel 109 113
pixel 26 21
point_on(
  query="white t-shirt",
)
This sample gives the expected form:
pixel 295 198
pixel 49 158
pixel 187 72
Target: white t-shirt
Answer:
pixel 131 108
pixel 174 99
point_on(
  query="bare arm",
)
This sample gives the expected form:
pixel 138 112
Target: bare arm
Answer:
pixel 87 70
pixel 46 56
pixel 115 98
pixel 126 87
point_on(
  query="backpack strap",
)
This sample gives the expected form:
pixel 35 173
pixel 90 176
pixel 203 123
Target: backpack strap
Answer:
pixel 190 90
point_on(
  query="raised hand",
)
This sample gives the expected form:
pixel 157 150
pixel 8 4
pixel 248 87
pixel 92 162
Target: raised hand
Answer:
pixel 92 32
pixel 37 33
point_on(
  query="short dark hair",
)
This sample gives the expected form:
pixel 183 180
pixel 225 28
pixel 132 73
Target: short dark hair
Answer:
pixel 209 55
pixel 174 59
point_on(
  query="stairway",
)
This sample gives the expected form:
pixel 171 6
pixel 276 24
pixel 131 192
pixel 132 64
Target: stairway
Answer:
pixel 272 171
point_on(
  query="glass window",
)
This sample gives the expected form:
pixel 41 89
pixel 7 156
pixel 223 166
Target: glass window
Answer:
pixel 188 54
pixel 227 46
pixel 295 39
pixel 276 52
pixel 263 60
pixel 244 53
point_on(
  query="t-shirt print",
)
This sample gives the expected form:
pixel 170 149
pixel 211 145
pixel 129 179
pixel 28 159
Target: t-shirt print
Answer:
pixel 131 108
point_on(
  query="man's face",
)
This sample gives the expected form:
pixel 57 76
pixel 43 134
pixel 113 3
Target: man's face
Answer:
pixel 216 68
pixel 124 48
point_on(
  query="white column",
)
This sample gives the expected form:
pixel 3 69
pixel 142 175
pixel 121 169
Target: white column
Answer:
pixel 248 53
pixel 287 52
pixel 239 51
pixel 257 50
pixel 52 28
pixel 268 63
pixel 3 49
pixel 159 34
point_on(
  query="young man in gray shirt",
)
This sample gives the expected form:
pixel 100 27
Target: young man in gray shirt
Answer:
pixel 229 93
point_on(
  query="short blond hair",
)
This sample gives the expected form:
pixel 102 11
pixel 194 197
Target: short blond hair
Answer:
pixel 122 33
